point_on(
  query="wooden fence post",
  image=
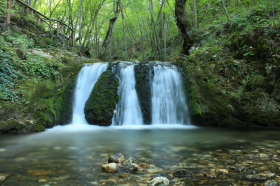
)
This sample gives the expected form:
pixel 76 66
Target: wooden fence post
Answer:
pixel 9 7
pixel 31 13
pixel 39 20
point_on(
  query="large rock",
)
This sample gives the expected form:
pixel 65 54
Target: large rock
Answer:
pixel 142 78
pixel 99 108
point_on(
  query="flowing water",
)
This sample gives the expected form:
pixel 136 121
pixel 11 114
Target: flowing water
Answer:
pixel 73 154
pixel 128 110
pixel 86 80
pixel 168 99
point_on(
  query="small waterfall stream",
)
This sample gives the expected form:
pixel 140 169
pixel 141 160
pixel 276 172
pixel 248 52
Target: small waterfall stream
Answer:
pixel 86 80
pixel 128 111
pixel 168 98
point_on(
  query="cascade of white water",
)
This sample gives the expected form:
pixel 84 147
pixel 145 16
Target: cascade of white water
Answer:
pixel 168 99
pixel 86 80
pixel 128 110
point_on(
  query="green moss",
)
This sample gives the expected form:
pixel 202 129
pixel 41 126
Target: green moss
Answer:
pixel 99 108
pixel 10 125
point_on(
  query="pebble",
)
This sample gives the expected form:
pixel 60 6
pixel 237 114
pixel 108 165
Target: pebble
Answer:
pixel 153 170
pixel 271 183
pixel 260 176
pixel 42 180
pixel 3 176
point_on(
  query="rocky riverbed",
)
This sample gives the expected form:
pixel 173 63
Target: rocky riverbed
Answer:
pixel 52 159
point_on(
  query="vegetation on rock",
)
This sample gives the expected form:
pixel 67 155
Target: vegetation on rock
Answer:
pixel 99 108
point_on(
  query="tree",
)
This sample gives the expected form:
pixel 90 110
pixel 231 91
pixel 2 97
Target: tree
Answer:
pixel 117 8
pixel 183 25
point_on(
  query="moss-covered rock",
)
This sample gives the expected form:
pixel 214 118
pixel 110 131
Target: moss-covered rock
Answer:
pixel 11 125
pixel 144 90
pixel 99 108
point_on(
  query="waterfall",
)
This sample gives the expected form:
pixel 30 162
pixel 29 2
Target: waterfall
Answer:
pixel 168 99
pixel 128 111
pixel 86 80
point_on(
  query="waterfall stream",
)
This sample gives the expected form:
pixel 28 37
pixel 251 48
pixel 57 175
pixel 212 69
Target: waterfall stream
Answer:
pixel 168 98
pixel 86 80
pixel 128 111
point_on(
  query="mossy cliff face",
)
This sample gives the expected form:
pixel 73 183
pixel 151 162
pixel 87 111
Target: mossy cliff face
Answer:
pixel 99 108
pixel 46 108
pixel 142 71
pixel 235 82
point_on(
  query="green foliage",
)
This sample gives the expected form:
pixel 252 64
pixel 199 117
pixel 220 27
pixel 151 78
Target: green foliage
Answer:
pixel 9 76
pixel 20 41
pixel 42 68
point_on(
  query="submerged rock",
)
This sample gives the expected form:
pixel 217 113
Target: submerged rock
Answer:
pixel 260 176
pixel 182 173
pixel 3 176
pixel 116 158
pixel 159 181
pixel 271 183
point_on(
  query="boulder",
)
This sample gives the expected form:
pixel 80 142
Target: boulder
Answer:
pixel 99 108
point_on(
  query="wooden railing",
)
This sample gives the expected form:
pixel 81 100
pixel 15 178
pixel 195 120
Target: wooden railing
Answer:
pixel 45 19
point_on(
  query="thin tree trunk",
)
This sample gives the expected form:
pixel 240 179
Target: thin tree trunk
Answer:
pixel 195 14
pixel 183 25
pixel 124 39
pixel 51 20
pixel 141 36
pixel 117 8
pixel 155 29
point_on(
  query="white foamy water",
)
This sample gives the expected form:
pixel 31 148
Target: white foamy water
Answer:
pixel 128 111
pixel 168 99
pixel 86 80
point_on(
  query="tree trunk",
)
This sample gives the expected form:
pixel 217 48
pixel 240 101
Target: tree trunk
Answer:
pixel 183 25
pixel 51 20
pixel 195 14
pixel 117 8
pixel 141 37
pixel 155 28
pixel 124 39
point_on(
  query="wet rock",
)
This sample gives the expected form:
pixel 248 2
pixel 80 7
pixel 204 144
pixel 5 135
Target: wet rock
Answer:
pixel 42 180
pixel 144 165
pixel 3 176
pixel 238 169
pixel 124 175
pixel 260 176
pixel 223 171
pixel 127 168
pixel 271 183
pixel 182 173
pixel 154 170
pixel 159 181
pixel 110 167
pixel 210 174
pixel 263 156
pixel 116 158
